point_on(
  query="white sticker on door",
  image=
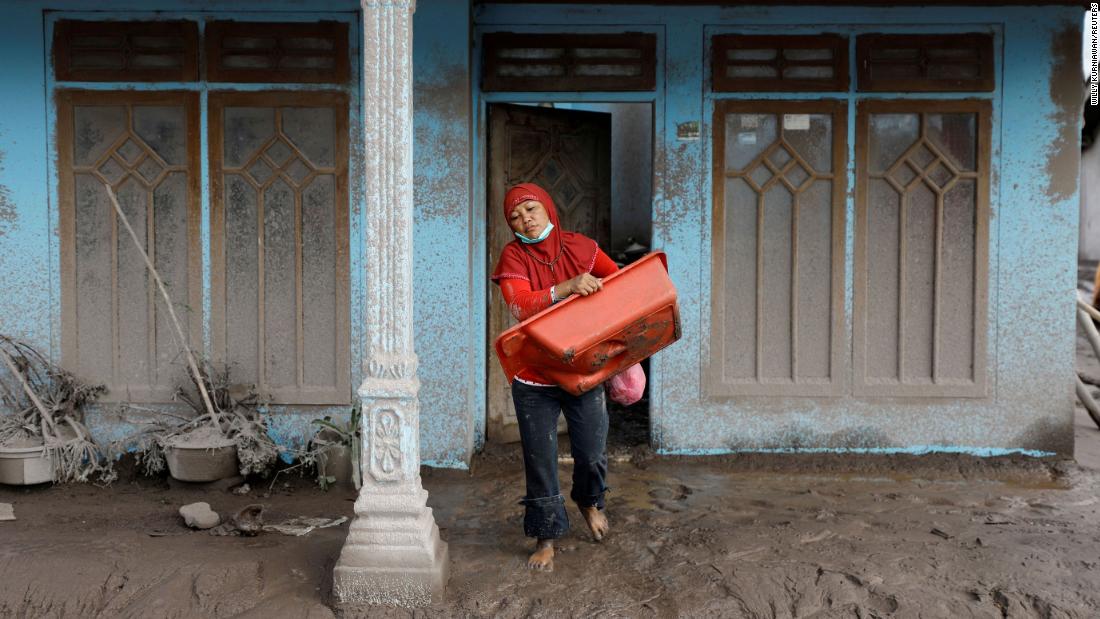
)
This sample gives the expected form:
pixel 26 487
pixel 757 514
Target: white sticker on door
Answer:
pixel 796 122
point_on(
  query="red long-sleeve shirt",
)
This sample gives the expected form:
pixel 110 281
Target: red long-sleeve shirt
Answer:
pixel 524 302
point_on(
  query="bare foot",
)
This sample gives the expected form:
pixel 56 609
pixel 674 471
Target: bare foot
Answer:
pixel 597 522
pixel 543 557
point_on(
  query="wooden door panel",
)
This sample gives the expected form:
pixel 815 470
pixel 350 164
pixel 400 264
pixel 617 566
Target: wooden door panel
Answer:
pixel 279 243
pixel 921 249
pixel 568 153
pixel 777 286
pixel 115 328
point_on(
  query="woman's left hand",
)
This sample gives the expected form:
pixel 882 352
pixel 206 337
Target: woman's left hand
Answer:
pixel 583 284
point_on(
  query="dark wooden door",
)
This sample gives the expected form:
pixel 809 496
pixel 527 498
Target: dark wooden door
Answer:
pixel 568 153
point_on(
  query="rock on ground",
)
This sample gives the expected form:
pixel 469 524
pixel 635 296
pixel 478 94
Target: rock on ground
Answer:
pixel 200 516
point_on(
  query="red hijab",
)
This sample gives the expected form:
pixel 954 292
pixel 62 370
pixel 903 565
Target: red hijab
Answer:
pixel 560 256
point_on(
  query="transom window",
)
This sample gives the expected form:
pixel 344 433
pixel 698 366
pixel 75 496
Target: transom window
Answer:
pixel 925 63
pixel 783 63
pixel 569 62
pixel 160 51
pixel 168 51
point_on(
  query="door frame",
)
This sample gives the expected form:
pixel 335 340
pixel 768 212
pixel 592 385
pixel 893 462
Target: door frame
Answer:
pixel 505 427
pixel 478 258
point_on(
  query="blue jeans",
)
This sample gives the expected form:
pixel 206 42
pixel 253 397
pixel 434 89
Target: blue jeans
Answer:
pixel 537 410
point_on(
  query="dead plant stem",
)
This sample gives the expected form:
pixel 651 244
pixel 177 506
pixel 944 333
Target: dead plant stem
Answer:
pixel 46 417
pixel 210 410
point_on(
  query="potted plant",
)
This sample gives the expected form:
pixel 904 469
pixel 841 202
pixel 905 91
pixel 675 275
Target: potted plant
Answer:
pixel 221 436
pixel 228 438
pixel 43 437
pixel 335 450
pixel 228 433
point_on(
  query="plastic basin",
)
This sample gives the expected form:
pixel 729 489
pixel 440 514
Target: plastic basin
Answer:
pixel 583 341
pixel 23 466
pixel 201 463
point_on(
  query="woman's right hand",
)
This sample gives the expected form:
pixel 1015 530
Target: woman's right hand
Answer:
pixel 583 284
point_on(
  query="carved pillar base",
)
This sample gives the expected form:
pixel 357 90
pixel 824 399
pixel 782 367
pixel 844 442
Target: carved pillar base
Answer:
pixel 393 555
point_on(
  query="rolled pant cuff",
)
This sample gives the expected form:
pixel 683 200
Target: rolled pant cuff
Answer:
pixel 596 500
pixel 545 517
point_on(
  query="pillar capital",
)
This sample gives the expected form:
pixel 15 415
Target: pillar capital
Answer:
pixel 409 5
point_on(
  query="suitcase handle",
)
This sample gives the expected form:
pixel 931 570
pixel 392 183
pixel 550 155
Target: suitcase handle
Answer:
pixel 614 349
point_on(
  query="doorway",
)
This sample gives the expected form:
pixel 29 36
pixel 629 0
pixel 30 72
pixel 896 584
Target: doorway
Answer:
pixel 596 161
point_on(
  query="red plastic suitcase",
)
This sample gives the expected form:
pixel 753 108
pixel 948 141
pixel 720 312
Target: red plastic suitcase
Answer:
pixel 583 341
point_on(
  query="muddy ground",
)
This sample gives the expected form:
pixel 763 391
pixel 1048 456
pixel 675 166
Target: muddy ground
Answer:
pixel 715 537
pixel 745 536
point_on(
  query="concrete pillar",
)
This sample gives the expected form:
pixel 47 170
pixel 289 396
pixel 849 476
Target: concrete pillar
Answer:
pixel 393 554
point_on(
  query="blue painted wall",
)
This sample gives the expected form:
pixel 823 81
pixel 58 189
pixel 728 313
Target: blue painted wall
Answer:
pixel 451 410
pixel 29 286
pixel 1032 234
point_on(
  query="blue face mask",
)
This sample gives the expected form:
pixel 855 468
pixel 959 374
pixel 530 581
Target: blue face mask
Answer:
pixel 542 237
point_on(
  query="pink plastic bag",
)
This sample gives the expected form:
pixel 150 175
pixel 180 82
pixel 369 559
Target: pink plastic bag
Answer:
pixel 627 386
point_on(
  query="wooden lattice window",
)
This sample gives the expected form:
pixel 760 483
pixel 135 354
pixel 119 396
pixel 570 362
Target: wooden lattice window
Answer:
pixel 147 51
pixel 569 62
pixel 925 63
pixel 279 243
pixel 277 52
pixel 779 63
pixel 115 327
pixel 777 289
pixel 921 248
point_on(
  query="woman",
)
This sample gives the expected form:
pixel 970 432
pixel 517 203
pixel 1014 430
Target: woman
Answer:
pixel 544 265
